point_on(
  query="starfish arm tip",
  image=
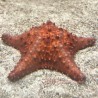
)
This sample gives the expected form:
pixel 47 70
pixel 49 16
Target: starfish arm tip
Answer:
pixel 92 41
pixel 5 38
pixel 11 78
pixel 86 42
pixel 9 40
pixel 82 79
pixel 15 75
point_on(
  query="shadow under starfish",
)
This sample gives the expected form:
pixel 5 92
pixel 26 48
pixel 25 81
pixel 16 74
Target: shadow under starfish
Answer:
pixel 47 47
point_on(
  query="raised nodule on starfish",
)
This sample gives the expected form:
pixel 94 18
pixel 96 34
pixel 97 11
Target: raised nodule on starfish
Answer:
pixel 47 47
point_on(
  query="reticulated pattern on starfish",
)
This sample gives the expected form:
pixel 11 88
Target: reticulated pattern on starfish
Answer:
pixel 47 47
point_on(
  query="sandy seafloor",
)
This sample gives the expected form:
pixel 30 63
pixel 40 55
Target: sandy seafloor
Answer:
pixel 80 17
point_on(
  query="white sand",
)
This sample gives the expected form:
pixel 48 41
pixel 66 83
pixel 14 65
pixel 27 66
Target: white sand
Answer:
pixel 78 16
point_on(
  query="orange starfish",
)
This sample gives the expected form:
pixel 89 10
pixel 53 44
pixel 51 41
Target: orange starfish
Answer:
pixel 47 47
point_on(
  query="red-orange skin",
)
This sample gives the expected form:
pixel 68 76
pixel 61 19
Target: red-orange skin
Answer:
pixel 47 47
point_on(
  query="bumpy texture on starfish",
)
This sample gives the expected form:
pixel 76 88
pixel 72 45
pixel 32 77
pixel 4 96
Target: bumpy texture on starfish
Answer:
pixel 47 47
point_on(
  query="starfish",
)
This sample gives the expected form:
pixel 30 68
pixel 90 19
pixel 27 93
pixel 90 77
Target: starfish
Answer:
pixel 47 47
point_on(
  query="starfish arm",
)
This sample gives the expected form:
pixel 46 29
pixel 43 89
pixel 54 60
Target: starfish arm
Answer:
pixel 70 69
pixel 24 67
pixel 84 42
pixel 21 42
